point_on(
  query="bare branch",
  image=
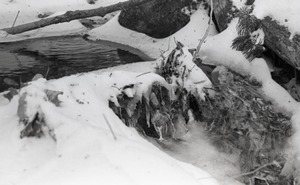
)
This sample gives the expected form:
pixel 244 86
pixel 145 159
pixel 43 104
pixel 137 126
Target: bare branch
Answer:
pixel 109 126
pixel 72 15
pixel 206 32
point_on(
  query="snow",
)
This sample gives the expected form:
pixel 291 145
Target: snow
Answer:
pixel 217 51
pixel 189 35
pixel 284 12
pixel 30 9
pixel 239 3
pixel 190 76
pixel 84 150
pixel 221 166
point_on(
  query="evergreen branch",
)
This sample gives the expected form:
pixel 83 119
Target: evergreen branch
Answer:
pixel 249 49
pixel 253 171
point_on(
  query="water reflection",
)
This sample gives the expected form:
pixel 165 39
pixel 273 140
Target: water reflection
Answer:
pixel 56 57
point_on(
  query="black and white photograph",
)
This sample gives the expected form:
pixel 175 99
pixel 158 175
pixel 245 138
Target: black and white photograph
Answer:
pixel 149 92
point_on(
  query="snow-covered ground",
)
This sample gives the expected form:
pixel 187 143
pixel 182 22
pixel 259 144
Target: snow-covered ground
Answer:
pixel 217 51
pixel 286 13
pixel 85 151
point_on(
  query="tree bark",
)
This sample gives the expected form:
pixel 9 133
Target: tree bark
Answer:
pixel 277 37
pixel 73 15
pixel 223 13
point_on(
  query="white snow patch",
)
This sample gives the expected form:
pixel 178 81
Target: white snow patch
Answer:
pixel 285 12
pixel 189 35
pixel 85 151
pixel 217 51
pixel 239 3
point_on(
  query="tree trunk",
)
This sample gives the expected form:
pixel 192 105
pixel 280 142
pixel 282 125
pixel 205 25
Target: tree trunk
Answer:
pixel 73 15
pixel 277 37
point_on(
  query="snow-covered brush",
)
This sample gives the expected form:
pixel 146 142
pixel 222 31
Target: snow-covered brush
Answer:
pixel 240 121
pixel 148 110
pixel 30 113
pixel 251 36
pixel 163 109
pixel 181 72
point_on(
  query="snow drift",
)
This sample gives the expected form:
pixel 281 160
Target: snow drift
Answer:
pixel 75 144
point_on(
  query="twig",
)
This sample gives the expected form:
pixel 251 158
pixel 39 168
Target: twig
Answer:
pixel 111 130
pixel 235 95
pixel 190 70
pixel 47 72
pixel 143 74
pixel 206 32
pixel 253 171
pixel 116 87
pixel 169 44
pixel 14 22
pixel 202 81
pixel 175 40
pixel 164 51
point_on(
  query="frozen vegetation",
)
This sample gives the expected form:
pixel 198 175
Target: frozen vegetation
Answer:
pixel 82 141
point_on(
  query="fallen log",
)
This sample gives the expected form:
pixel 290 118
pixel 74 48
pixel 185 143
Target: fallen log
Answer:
pixel 73 15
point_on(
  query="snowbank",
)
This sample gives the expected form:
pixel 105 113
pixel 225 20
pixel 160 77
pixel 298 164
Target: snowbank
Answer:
pixel 189 35
pixel 286 13
pixel 84 150
pixel 217 51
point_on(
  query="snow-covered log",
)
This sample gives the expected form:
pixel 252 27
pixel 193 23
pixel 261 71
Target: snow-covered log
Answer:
pixel 279 38
pixel 72 15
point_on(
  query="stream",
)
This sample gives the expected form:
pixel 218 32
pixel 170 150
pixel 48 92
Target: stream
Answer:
pixel 56 57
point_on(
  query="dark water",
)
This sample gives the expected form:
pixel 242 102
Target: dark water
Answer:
pixel 56 57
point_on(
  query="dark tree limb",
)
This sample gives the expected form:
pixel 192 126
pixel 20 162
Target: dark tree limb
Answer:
pixel 73 15
pixel 224 12
pixel 277 38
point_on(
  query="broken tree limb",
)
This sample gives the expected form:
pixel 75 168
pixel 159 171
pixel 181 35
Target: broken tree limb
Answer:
pixel 206 32
pixel 72 15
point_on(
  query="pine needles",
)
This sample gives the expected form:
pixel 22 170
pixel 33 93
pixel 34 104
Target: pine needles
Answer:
pixel 250 40
pixel 240 121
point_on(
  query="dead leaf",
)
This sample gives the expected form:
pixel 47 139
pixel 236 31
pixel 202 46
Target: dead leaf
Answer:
pixel 12 92
pixel 53 96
